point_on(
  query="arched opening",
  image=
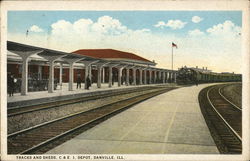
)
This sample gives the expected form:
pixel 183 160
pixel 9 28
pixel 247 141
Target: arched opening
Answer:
pixel 114 75
pixel 123 76
pixel 137 76
pixel 130 76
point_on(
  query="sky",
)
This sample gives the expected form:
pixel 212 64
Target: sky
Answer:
pixel 209 39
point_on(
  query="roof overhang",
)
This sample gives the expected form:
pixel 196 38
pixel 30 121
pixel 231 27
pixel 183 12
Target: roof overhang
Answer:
pixel 46 55
pixel 130 61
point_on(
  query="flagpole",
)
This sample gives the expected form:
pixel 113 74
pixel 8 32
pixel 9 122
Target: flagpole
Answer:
pixel 172 58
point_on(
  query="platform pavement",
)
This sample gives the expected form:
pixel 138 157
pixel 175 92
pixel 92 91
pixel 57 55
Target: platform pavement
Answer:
pixel 171 123
pixel 63 90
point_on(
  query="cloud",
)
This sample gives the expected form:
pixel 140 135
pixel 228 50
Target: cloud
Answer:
pixel 105 25
pixel 35 28
pixel 108 25
pixel 195 32
pixel 61 27
pixel 173 24
pixel 226 29
pixel 160 24
pixel 82 25
pixel 176 24
pixel 142 31
pixel 196 48
pixel 196 19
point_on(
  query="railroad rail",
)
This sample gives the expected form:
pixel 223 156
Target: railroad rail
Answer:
pixel 43 106
pixel 231 102
pixel 31 140
pixel 223 118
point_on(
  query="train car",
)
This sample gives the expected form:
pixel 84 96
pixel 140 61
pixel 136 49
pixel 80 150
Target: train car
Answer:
pixel 196 75
pixel 186 76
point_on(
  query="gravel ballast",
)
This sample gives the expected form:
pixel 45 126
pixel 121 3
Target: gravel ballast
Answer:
pixel 26 120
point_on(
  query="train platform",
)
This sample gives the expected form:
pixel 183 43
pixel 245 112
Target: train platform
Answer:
pixel 170 123
pixel 63 93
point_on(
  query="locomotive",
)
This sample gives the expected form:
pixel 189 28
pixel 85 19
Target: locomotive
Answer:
pixel 196 75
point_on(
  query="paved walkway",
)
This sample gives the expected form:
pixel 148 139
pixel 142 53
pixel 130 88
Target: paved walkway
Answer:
pixel 64 91
pixel 170 123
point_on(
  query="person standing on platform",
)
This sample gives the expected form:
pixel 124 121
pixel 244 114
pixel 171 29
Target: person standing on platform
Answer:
pixel 78 82
pixel 11 85
pixel 113 78
pixel 88 82
pixel 196 82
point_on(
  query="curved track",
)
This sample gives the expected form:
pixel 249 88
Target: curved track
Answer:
pixel 31 140
pixel 230 91
pixel 224 119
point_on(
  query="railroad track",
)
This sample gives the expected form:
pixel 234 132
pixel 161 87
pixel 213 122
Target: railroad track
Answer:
pixel 31 108
pixel 223 118
pixel 221 91
pixel 31 140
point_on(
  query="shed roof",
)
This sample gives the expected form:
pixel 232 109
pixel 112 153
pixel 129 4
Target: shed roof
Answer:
pixel 110 54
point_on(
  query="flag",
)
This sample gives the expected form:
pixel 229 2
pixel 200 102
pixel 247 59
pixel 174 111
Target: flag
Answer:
pixel 174 45
pixel 27 32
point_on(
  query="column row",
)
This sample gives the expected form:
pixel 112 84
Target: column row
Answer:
pixel 130 75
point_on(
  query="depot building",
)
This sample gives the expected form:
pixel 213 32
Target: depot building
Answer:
pixel 37 68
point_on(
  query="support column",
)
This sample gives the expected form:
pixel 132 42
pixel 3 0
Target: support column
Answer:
pixel 99 73
pixel 150 77
pixel 51 59
pixel 170 77
pixel 127 76
pixel 167 77
pixel 71 62
pixel 110 76
pixel 60 75
pixel 90 73
pixel 39 72
pixel 51 77
pixel 134 76
pixel 99 76
pixel 160 79
pixel 119 76
pixel 86 75
pixel 140 70
pixel 145 76
pixel 103 75
pixel 175 75
pixel 25 56
pixel 71 76
pixel 155 76
pixel 163 77
pixel 24 86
